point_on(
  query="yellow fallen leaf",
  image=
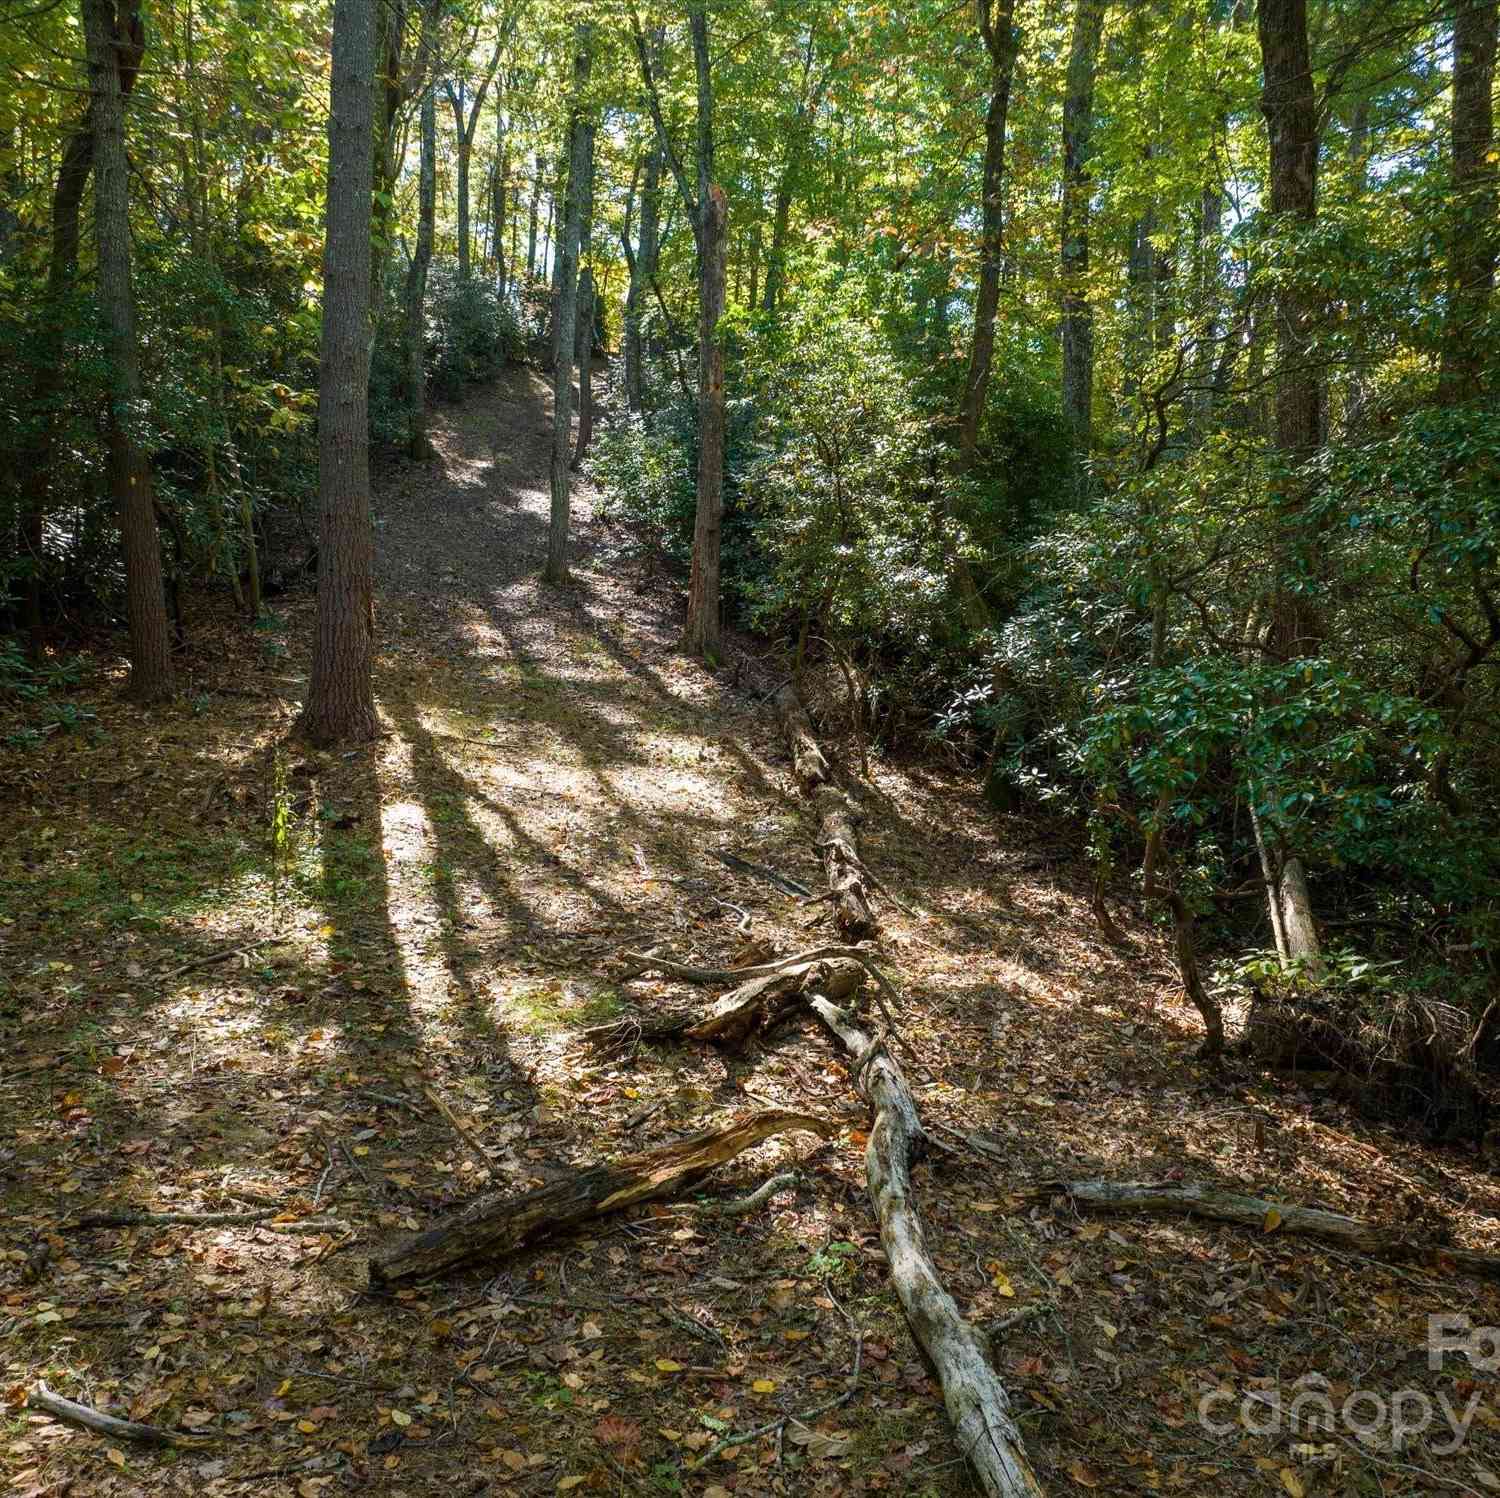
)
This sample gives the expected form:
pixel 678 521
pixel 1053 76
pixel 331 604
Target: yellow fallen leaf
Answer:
pixel 401 1418
pixel 1292 1483
pixel 1272 1222
pixel 115 1455
pixel 1003 1285
pixel 564 1483
pixel 763 1386
pixel 668 1366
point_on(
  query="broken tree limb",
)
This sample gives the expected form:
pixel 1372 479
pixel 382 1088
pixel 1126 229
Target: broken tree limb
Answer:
pixel 648 960
pixel 771 876
pixel 449 1117
pixel 42 1398
pixel 838 820
pixel 501 1222
pixel 165 1219
pixel 1216 1205
pixel 977 1403
pixel 751 1009
pixel 742 1206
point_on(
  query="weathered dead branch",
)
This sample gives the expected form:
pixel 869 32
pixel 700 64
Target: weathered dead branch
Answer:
pixel 977 1403
pixel 1371 1238
pixel 499 1223
pixel 42 1398
pixel 751 1009
pixel 838 820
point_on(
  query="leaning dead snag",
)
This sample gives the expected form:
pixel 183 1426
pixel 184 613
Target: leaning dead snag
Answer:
pixel 501 1222
pixel 838 821
pixel 977 1403
pixel 1253 1212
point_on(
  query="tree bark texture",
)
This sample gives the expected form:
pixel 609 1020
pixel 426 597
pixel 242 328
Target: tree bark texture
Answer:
pixel 340 704
pixel 565 314
pixel 48 374
pixel 702 635
pixel 977 1403
pixel 501 1222
pixel 1476 200
pixel 837 818
pixel 642 273
pixel 416 277
pixel 113 45
pixel 1077 314
pixel 1001 44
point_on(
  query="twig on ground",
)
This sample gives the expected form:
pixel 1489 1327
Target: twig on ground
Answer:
pixel 328 1170
pixel 745 1437
pixel 771 876
pixel 1007 1323
pixel 42 1398
pixel 166 1219
pixel 451 1119
pixel 742 1205
pixel 212 958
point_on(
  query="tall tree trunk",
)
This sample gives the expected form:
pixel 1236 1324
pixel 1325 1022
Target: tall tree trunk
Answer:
pixel 416 277
pixel 565 312
pixel 390 88
pixel 583 330
pixel 1078 317
pixel 531 223
pixel 114 46
pixel 642 268
pixel 702 635
pixel 500 192
pixel 1476 194
pixel 340 704
pixel 1289 103
pixel 997 27
pixel 465 124
pixel 49 369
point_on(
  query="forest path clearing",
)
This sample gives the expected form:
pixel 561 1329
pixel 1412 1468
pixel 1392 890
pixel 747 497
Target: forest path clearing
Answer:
pixel 440 910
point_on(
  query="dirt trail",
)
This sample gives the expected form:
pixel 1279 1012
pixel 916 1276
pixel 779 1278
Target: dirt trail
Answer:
pixel 442 908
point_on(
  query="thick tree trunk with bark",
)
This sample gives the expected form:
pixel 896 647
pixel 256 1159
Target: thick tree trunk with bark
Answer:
pixel 1078 317
pixel 418 444
pixel 1476 194
pixel 340 706
pixel 565 314
pixel 1289 103
pixel 502 1222
pixel 838 821
pixel 977 1404
pixel 112 45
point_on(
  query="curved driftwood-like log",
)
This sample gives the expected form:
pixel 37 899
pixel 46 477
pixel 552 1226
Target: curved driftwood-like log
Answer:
pixel 838 821
pixel 500 1222
pixel 1264 1216
pixel 975 1398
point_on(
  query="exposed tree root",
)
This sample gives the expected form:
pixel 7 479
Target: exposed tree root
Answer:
pixel 977 1403
pixel 838 821
pixel 1210 1202
pixel 499 1223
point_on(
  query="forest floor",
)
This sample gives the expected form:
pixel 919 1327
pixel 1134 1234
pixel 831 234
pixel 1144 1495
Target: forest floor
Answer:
pixel 445 909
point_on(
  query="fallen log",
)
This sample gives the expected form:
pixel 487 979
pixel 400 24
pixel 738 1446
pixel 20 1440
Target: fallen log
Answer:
pixel 977 1403
pixel 751 1009
pixel 501 1222
pixel 1215 1205
pixel 838 821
